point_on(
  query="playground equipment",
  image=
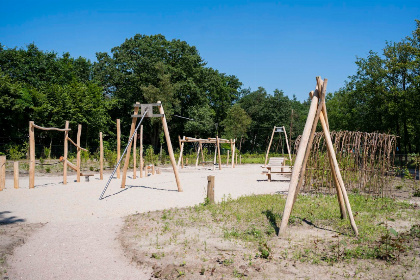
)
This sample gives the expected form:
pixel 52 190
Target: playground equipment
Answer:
pixel 64 159
pixel 216 141
pixel 278 129
pixel 317 112
pixel 146 111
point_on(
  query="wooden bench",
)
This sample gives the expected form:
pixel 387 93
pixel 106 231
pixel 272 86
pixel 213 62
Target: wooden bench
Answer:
pixel 86 176
pixel 276 165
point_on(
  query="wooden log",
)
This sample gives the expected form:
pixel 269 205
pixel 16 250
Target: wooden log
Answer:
pixel 218 153
pixel 233 152
pixel 101 157
pixel 51 128
pixel 2 172
pixel 227 159
pixel 31 155
pixel 135 156
pixel 141 151
pixel 66 150
pixel 181 150
pixel 202 153
pixel 287 144
pixel 118 147
pixel 198 156
pixel 79 132
pixel 269 145
pixel 16 174
pixel 75 144
pixel 215 157
pixel 297 167
pixel 170 150
pixel 210 189
pixel 127 156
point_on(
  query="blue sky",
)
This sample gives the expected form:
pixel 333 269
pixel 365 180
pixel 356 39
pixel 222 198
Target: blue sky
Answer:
pixel 273 44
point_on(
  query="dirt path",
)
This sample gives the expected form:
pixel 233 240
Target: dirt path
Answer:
pixel 79 239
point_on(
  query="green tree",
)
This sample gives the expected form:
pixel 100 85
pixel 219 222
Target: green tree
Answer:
pixel 236 123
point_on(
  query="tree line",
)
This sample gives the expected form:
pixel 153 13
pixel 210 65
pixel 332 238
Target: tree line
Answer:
pixel 199 101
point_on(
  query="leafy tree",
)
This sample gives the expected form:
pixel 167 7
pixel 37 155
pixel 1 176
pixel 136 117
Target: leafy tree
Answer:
pixel 236 123
pixel 202 123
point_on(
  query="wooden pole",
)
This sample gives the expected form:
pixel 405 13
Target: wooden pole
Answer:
pixel 2 172
pixel 215 156
pixel 291 127
pixel 127 156
pixel 79 132
pixel 118 146
pixel 31 155
pixel 233 152
pixel 135 156
pixel 101 157
pixel 141 151
pixel 181 151
pixel 210 189
pixel 218 152
pixel 16 174
pixel 66 150
pixel 198 156
pixel 287 144
pixel 202 153
pixel 170 150
pixel 297 167
pixel 269 145
pixel 227 159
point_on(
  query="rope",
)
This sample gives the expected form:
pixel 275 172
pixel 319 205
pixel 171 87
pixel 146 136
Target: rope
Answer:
pixel 119 161
pixel 183 117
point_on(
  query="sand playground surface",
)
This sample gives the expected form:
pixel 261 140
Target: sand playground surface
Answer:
pixel 75 234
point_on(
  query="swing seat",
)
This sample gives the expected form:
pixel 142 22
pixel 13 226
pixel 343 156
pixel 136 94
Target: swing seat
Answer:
pixel 276 165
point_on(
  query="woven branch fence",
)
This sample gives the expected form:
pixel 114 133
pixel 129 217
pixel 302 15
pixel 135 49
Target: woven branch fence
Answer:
pixel 366 162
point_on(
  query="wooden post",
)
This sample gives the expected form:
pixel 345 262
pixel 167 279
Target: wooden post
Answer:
pixel 210 189
pixel 218 152
pixel 198 156
pixel 287 144
pixel 181 151
pixel 79 132
pixel 101 157
pixel 297 167
pixel 127 155
pixel 2 172
pixel 16 174
pixel 227 159
pixel 31 155
pixel 170 150
pixel 153 169
pixel 202 153
pixel 269 145
pixel 215 156
pixel 141 151
pixel 66 150
pixel 118 146
pixel 135 156
pixel 233 152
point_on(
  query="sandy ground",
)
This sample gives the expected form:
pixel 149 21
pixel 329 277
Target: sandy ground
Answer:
pixel 79 238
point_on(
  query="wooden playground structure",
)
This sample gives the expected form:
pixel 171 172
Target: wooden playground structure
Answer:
pixel 317 112
pixel 277 165
pixel 216 141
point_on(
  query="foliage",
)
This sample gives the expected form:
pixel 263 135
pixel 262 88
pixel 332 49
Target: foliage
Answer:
pixel 236 123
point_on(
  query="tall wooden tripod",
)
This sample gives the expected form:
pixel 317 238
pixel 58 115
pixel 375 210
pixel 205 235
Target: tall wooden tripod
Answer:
pixel 317 112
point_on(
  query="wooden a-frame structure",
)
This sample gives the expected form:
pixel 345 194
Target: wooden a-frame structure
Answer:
pixel 317 112
pixel 147 111
pixel 278 129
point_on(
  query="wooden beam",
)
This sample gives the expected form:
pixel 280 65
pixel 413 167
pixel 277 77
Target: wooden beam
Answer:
pixel 227 159
pixel 76 145
pixel 31 155
pixel 269 145
pixel 51 128
pixel 141 151
pixel 127 155
pixel 2 172
pixel 79 132
pixel 170 150
pixel 218 153
pixel 101 157
pixel 287 144
pixel 16 174
pixel 66 150
pixel 210 189
pixel 118 146
pixel 135 156
pixel 198 156
pixel 181 150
